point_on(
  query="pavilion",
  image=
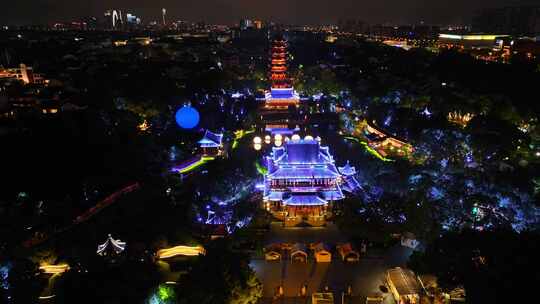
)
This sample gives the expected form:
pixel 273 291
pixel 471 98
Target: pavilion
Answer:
pixel 322 253
pixel 272 252
pixel 111 247
pixel 299 253
pixel 383 142
pixel 347 253
pixel 211 144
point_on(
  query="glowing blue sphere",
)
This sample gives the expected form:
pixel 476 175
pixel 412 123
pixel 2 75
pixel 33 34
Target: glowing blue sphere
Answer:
pixel 187 117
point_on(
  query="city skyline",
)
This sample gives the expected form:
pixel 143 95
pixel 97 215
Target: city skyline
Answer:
pixel 229 12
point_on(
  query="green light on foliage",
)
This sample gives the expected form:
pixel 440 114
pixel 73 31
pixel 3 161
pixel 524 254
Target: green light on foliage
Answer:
pixel 262 170
pixel 369 149
pixel 165 292
pixel 239 134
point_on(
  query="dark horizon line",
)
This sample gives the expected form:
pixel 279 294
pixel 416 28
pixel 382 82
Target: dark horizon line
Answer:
pixel 233 24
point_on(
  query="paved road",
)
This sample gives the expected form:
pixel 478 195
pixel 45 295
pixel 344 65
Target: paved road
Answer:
pixel 279 234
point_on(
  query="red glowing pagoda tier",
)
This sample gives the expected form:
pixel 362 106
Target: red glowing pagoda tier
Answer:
pixel 282 94
pixel 278 66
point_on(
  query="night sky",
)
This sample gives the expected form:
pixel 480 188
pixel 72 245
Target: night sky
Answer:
pixel 230 11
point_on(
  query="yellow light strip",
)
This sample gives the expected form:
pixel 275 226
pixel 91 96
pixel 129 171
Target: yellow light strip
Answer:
pixel 54 269
pixel 181 250
pixel 200 162
pixel 46 297
pixel 470 37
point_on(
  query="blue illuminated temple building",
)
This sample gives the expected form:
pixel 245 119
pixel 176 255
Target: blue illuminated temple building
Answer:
pixel 302 182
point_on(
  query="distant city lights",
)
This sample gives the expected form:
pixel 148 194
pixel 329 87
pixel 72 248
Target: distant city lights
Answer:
pixel 470 37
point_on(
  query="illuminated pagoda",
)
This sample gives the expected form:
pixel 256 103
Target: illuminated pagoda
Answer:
pixel 302 181
pixel 282 94
pixel 111 247
pixel 211 143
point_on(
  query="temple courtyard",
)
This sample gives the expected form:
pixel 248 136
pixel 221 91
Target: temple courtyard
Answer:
pixel 365 277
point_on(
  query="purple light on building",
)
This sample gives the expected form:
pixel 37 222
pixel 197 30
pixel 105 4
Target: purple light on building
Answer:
pixel 303 179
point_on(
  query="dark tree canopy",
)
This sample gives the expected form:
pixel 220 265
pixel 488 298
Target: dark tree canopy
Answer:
pixel 494 267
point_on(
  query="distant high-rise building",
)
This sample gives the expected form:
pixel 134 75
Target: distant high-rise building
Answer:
pixel 106 22
pixel 113 19
pixel 163 14
pixel 132 19
pixel 245 24
pixel 516 20
pixel 22 73
pixel 258 24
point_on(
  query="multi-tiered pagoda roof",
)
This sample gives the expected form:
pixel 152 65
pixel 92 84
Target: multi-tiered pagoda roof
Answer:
pixel 302 173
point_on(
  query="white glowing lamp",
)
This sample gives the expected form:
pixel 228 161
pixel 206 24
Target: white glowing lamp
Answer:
pixel 257 140
pixel 309 137
pixel 278 137
pixel 295 137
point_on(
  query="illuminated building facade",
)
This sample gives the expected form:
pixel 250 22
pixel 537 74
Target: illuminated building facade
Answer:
pixel 23 73
pixel 163 15
pixel 113 19
pixel 211 144
pixel 282 94
pixel 486 41
pixel 245 24
pixel 385 143
pixel 257 24
pixel 301 181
